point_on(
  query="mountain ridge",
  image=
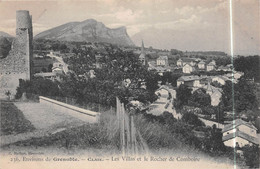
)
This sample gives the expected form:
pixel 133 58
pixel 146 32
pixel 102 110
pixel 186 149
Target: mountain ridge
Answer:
pixel 88 30
pixel 4 34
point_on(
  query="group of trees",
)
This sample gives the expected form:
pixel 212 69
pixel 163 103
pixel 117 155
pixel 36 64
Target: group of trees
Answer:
pixel 121 75
pixel 249 65
pixel 42 44
pixel 38 86
pixel 124 76
pixel 241 97
pixel 184 96
pixel 170 77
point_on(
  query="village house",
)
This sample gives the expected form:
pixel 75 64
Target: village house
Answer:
pixel 201 65
pixel 233 77
pixel 190 81
pixel 214 92
pixel 42 64
pixel 57 70
pixel 220 79
pixel 162 61
pixel 214 62
pixel 225 68
pixel 162 92
pixel 237 74
pixel 187 68
pixel 239 133
pixel 48 75
pixel 159 69
pixel 181 62
pixel 211 66
pixel 53 54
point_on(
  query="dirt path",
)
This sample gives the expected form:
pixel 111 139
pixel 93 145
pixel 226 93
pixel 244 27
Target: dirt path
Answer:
pixel 46 121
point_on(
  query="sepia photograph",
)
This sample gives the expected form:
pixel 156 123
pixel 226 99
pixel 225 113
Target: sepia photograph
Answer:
pixel 129 84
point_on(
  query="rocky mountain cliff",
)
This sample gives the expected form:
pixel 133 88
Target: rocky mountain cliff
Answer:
pixel 89 30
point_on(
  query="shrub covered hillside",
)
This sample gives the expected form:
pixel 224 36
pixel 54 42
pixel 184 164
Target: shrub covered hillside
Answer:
pixel 167 136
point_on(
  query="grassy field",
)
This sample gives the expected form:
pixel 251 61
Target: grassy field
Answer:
pixel 13 120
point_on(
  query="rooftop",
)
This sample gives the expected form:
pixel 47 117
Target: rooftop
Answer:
pixel 142 56
pixel 241 135
pixel 163 57
pixel 237 123
pixel 222 77
pixel 211 64
pixel 188 64
pixel 201 62
pixel 188 78
pixel 187 59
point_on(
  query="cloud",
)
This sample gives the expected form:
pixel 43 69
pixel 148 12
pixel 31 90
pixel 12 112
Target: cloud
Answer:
pixel 138 15
pixel 127 15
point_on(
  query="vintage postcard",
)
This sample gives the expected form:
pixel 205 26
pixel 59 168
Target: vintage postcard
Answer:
pixel 107 84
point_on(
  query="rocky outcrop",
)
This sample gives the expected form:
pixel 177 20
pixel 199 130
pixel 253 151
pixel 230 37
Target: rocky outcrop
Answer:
pixel 90 31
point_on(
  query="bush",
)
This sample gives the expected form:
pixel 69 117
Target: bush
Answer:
pixel 251 155
pixel 192 119
pixel 38 86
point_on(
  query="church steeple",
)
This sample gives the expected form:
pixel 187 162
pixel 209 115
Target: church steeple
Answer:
pixel 142 48
pixel 142 55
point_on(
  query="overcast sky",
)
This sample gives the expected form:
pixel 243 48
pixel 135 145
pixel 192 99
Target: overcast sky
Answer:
pixel 196 16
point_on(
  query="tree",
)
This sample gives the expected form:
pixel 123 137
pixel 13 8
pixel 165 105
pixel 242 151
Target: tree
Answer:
pixel 245 97
pixel 219 113
pixel 216 84
pixel 192 119
pixel 251 155
pixel 216 140
pixel 171 78
pixel 39 86
pixel 200 99
pixel 183 93
pixel 249 65
pixel 121 75
pixel 175 52
pixel 222 61
pixel 226 98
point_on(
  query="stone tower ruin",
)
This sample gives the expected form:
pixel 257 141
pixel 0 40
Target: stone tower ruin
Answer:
pixel 17 65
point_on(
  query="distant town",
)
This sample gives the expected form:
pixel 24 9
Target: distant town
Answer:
pixel 122 98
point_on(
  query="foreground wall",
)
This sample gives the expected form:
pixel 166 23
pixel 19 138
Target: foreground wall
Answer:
pixel 83 114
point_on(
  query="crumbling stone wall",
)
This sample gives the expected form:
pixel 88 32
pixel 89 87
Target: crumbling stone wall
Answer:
pixel 17 65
